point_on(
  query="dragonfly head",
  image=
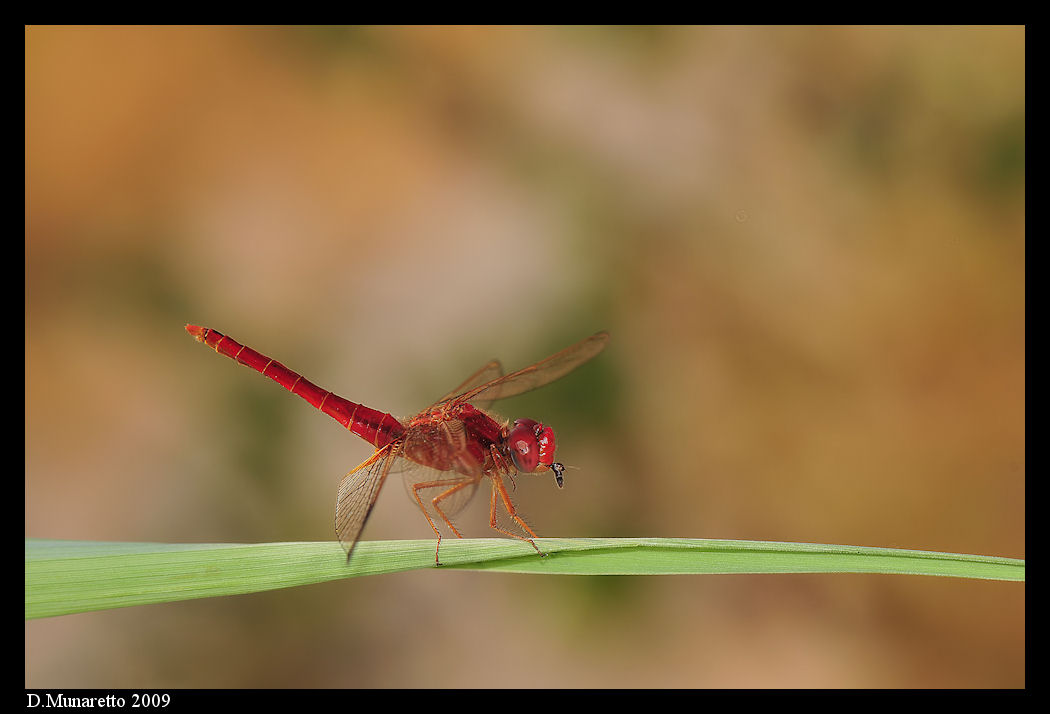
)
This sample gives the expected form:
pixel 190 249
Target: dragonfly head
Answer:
pixel 531 447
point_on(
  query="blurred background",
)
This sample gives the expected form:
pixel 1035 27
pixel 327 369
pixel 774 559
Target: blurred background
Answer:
pixel 807 244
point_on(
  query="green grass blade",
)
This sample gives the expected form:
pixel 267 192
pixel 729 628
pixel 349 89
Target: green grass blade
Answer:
pixel 65 577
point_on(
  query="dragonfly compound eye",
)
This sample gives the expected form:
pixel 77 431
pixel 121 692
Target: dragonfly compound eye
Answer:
pixel 545 438
pixel 525 448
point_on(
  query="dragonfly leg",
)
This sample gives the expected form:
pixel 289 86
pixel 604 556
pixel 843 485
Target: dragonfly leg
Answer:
pixel 462 484
pixel 498 489
pixel 501 465
pixel 455 484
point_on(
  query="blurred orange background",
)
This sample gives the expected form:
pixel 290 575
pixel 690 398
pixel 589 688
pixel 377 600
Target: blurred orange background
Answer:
pixel 808 245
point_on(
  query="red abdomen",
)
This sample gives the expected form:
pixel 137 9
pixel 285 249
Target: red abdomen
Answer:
pixel 375 427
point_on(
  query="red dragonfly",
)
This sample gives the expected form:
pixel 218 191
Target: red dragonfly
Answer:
pixel 445 450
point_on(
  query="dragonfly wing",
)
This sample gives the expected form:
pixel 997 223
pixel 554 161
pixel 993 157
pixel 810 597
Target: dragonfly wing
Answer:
pixel 543 372
pixel 358 492
pixel 488 373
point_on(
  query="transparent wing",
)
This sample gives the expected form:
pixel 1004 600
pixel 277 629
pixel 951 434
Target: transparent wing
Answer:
pixel 488 373
pixel 358 492
pixel 543 372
